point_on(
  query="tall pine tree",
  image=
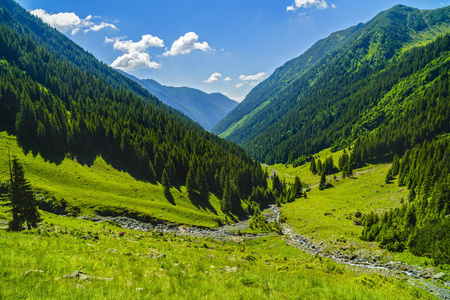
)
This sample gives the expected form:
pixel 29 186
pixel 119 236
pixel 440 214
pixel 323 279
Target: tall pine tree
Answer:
pixel 23 202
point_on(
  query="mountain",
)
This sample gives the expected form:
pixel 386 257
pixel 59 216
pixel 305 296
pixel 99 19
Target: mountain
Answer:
pixel 352 83
pixel 205 109
pixel 60 104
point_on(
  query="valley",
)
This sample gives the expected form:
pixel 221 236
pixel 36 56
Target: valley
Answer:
pixel 330 180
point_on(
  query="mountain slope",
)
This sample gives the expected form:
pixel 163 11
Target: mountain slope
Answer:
pixel 322 103
pixel 58 110
pixel 205 109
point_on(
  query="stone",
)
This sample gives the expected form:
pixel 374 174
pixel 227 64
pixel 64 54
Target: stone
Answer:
pixel 427 275
pixel 439 275
pixel 33 271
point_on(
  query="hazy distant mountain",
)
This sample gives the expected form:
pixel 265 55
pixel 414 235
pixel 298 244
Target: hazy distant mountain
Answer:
pixel 205 109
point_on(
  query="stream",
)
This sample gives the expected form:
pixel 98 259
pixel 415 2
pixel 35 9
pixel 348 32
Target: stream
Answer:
pixel 416 275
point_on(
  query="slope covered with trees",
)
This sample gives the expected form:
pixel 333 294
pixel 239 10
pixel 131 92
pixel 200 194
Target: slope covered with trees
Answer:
pixel 57 105
pixel 364 79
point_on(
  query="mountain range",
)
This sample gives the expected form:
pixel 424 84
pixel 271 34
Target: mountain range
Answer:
pixel 331 95
pixel 205 109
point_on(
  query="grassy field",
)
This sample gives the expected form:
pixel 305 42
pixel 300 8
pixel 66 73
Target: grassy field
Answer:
pixel 328 216
pixel 98 187
pixel 149 265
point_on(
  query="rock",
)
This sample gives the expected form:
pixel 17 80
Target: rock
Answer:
pixel 439 275
pixel 327 214
pixel 427 275
pixel 233 269
pixel 33 271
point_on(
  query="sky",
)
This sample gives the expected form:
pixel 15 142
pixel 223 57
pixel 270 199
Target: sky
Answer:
pixel 216 46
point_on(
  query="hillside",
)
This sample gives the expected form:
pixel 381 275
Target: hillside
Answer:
pixel 59 110
pixel 205 109
pixel 343 87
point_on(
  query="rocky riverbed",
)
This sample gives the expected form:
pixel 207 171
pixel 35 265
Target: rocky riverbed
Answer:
pixel 363 260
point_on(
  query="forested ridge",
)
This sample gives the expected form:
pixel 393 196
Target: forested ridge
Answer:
pixel 358 85
pixel 422 223
pixel 52 105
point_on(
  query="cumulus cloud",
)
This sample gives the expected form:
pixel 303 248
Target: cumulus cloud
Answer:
pixel 319 4
pixel 213 78
pixel 257 77
pixel 185 44
pixel 70 22
pixel 135 56
pixel 134 61
pixel 129 46
pixel 241 84
pixel 227 79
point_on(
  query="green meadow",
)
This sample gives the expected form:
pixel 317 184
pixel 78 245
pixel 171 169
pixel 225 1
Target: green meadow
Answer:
pixel 97 187
pixel 38 264
pixel 329 216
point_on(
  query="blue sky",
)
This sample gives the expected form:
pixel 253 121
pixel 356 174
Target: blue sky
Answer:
pixel 216 46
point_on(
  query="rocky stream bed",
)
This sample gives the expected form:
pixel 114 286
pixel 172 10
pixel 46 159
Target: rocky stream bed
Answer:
pixel 363 260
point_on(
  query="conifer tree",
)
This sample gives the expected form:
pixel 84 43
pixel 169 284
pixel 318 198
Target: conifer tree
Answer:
pixel 395 165
pixel 165 181
pixel 23 202
pixel 319 167
pixel 297 187
pixel 312 166
pixel 323 181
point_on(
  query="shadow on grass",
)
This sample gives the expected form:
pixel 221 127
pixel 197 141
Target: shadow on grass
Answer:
pixel 201 202
pixel 170 198
pixel 87 159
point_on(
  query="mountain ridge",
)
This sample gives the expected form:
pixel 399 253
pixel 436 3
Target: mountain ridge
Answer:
pixel 204 108
pixel 361 52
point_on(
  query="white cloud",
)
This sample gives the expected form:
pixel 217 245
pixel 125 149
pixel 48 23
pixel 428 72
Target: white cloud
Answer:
pixel 319 4
pixel 256 77
pixel 241 84
pixel 333 5
pixel 290 8
pixel 227 79
pixel 101 26
pixel 185 44
pixel 213 78
pixel 135 58
pixel 239 99
pixel 134 61
pixel 129 46
pixel 70 22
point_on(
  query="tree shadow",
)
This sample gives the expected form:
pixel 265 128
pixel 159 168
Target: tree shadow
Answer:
pixel 201 202
pixel 170 198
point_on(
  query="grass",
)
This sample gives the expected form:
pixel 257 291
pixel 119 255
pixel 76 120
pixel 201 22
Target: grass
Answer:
pixel 161 266
pixel 242 121
pixel 328 216
pixel 99 187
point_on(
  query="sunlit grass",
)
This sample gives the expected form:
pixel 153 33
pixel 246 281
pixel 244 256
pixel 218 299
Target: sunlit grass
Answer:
pixel 100 187
pixel 150 265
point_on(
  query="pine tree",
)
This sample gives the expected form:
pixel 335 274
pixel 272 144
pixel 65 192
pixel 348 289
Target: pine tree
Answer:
pixel 165 181
pixel 202 185
pixel 297 187
pixel 319 166
pixel 23 202
pixel 323 181
pixel 395 165
pixel 190 182
pixel 312 166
